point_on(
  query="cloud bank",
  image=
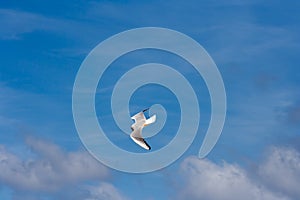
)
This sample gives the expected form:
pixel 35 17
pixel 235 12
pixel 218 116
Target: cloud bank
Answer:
pixel 281 171
pixel 56 173
pixel 51 169
pixel 277 177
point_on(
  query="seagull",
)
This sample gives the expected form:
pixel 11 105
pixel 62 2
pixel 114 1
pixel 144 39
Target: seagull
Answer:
pixel 140 122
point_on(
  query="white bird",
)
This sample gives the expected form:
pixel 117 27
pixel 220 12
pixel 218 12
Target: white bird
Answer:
pixel 140 122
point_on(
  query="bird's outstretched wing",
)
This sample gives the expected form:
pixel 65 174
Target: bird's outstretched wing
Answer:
pixel 139 117
pixel 150 120
pixel 137 137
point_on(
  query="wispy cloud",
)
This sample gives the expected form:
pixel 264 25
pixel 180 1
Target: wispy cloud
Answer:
pixel 17 23
pixel 239 42
pixel 290 113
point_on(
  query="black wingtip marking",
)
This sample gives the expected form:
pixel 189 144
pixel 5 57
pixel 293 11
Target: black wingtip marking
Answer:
pixel 142 140
pixel 145 109
pixel 147 145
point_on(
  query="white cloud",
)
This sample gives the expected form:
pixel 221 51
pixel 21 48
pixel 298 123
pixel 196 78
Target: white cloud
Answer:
pixel 207 180
pixel 104 191
pixel 51 169
pixel 281 171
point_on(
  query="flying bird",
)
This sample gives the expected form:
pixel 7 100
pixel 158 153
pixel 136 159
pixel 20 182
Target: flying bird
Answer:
pixel 140 122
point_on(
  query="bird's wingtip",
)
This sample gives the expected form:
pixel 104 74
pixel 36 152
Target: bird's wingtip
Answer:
pixel 145 109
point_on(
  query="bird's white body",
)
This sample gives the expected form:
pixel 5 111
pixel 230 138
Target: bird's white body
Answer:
pixel 140 122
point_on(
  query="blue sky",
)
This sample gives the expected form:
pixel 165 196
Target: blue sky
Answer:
pixel 255 45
